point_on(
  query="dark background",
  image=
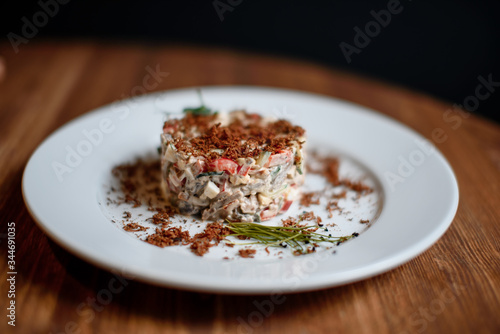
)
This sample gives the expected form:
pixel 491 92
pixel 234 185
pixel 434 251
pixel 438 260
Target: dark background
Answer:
pixel 437 47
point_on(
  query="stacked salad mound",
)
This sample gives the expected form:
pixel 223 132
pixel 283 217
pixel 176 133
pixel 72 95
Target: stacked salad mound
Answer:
pixel 232 166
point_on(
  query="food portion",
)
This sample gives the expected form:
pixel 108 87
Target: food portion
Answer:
pixel 336 204
pixel 231 166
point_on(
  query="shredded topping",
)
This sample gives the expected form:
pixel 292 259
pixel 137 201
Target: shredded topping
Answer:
pixel 134 227
pixel 245 136
pixel 168 237
pixel 329 168
pixel 310 198
pixel 247 252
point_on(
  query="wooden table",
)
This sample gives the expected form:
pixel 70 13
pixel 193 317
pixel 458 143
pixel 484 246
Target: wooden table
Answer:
pixel 454 287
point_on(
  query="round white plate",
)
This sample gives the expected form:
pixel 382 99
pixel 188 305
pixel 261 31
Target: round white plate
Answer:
pixel 62 187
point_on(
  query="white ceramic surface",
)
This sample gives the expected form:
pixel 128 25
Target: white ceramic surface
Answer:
pixel 62 187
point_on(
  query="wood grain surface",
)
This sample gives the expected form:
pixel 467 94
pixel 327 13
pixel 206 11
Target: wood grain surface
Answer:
pixel 454 287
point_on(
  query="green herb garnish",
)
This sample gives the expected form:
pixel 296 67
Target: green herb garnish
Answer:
pixel 200 111
pixel 295 237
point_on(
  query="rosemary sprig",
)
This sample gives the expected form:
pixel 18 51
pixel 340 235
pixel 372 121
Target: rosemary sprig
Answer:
pixel 295 237
pixel 201 110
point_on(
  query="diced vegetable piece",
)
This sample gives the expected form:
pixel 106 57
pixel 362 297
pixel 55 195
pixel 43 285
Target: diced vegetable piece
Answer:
pixel 267 214
pixel 263 158
pixel 239 179
pixel 264 200
pixel 173 183
pixel 275 172
pixel 217 150
pixel 170 154
pixel 211 190
pixel 286 206
pixel 180 164
pixel 249 205
pixel 189 174
pixel 299 169
pixel 245 164
pixel 174 179
pixel 199 166
pixel 275 193
pixel 231 205
pixel 280 158
pixel 224 165
pixel 222 186
pixel 243 170
pixel 299 161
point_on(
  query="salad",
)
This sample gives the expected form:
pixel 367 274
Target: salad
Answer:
pixel 235 166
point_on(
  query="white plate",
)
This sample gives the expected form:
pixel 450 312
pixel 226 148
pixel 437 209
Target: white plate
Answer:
pixel 63 182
